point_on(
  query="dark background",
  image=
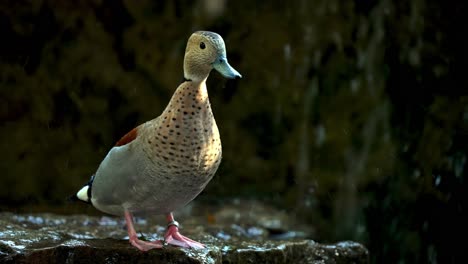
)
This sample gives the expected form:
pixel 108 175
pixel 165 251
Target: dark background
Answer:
pixel 352 116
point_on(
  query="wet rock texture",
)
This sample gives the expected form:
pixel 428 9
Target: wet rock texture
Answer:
pixel 50 238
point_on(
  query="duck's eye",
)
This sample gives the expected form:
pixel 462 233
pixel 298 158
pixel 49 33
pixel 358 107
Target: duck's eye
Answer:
pixel 202 45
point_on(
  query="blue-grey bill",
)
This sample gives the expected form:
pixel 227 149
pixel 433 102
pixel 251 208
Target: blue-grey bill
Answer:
pixel 223 67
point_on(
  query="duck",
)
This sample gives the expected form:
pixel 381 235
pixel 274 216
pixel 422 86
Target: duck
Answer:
pixel 163 164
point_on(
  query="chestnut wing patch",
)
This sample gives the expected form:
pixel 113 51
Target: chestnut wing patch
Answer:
pixel 129 137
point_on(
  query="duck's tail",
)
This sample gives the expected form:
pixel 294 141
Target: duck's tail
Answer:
pixel 84 194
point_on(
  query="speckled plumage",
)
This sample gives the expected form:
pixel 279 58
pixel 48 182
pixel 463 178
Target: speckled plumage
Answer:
pixel 165 163
pixel 183 148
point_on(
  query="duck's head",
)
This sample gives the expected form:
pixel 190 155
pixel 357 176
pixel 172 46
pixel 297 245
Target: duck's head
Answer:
pixel 205 51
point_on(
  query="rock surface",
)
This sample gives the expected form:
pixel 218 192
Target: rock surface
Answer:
pixel 229 234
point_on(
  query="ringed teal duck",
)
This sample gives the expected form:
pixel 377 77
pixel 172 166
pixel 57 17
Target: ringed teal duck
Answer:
pixel 163 164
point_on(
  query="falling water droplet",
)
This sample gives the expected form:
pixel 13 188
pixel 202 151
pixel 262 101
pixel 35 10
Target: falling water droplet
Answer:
pixel 287 52
pixel 354 85
pixel 437 180
pixel 320 135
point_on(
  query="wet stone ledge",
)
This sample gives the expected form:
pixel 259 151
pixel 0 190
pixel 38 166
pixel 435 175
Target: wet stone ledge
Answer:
pixel 232 238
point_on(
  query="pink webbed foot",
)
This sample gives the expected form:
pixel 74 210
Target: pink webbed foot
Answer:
pixel 145 245
pixel 173 237
pixel 133 238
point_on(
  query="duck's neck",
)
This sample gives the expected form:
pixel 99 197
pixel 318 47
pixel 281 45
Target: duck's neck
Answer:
pixel 196 78
pixel 190 98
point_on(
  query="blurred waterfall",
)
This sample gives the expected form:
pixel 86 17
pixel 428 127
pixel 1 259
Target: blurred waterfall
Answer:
pixel 303 160
pixel 348 208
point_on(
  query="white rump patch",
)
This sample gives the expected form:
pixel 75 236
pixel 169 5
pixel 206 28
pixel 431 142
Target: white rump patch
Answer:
pixel 83 194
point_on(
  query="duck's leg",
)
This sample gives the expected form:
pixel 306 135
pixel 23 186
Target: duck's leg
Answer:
pixel 173 236
pixel 133 238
